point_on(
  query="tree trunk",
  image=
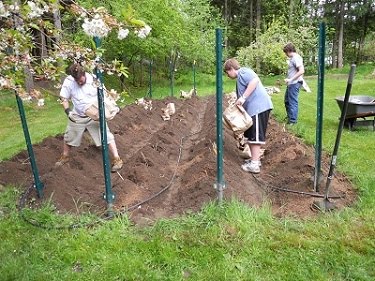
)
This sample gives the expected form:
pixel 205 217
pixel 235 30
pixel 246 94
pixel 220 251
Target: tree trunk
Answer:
pixel 291 13
pixel 335 49
pixel 58 25
pixel 335 43
pixel 251 20
pixel 57 21
pixel 361 41
pixel 257 34
pixel 29 79
pixel 226 21
pixel 340 60
pixel 43 45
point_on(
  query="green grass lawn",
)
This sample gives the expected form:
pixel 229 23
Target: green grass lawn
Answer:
pixel 355 157
pixel 229 242
pixel 42 122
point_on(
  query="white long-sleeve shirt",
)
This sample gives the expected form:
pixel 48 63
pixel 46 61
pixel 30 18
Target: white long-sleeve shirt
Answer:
pixel 83 96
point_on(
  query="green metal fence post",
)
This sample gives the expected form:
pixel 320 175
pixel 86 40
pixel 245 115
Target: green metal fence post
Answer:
pixel 150 80
pixel 319 108
pixel 171 73
pixel 194 80
pixel 37 183
pixel 109 195
pixel 220 185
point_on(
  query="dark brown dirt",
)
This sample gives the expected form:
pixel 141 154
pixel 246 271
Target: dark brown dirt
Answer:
pixel 150 148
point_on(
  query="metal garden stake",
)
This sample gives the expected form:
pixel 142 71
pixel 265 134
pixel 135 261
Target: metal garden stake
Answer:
pixel 150 80
pixel 220 184
pixel 326 204
pixel 109 196
pixel 319 107
pixel 171 73
pixel 194 80
pixel 37 183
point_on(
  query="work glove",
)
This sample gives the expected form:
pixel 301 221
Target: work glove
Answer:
pixel 69 113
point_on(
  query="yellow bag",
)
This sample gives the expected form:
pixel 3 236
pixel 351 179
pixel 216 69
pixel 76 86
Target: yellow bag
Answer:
pixel 237 118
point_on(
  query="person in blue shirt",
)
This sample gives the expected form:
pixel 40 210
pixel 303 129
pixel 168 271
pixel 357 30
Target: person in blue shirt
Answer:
pixel 252 95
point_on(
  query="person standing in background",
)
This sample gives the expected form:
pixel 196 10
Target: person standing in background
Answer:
pixel 294 82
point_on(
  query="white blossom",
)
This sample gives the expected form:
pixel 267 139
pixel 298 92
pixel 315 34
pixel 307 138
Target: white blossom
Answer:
pixel 35 11
pixel 26 98
pixel 14 8
pixel 122 33
pixel 4 83
pixel 49 59
pixel 16 48
pixel 21 28
pixel 3 11
pixel 143 32
pixel 62 55
pixel 40 102
pixel 95 27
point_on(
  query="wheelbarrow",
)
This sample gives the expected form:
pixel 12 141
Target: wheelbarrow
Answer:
pixel 359 107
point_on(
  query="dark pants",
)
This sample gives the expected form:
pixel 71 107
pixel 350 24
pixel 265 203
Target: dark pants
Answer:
pixel 291 102
pixel 256 134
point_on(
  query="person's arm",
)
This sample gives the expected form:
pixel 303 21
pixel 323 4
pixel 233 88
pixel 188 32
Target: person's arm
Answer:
pixel 249 90
pixel 65 103
pixel 68 111
pixel 64 94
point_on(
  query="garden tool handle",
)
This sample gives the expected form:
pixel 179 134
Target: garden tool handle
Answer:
pixel 339 130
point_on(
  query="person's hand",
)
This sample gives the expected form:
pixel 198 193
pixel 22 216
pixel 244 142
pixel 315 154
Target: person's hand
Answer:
pixel 240 101
pixel 69 113
pixel 286 80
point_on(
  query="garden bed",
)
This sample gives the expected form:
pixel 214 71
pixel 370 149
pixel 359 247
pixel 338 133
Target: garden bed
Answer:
pixel 150 148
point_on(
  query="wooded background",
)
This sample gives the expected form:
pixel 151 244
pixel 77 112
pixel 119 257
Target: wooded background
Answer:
pixel 255 31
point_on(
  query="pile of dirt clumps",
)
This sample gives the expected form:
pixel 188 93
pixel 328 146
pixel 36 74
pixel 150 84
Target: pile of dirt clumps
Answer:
pixel 177 157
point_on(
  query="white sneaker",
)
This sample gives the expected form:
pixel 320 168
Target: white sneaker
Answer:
pixel 247 161
pixel 251 167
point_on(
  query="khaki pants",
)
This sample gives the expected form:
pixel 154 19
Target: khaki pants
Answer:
pixel 74 131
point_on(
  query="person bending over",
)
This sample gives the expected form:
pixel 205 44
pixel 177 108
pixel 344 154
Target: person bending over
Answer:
pixel 79 89
pixel 252 95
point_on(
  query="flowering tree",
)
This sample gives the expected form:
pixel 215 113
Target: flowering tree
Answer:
pixel 20 22
pixel 180 31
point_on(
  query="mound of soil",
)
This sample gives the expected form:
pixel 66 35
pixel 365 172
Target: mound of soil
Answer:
pixel 176 158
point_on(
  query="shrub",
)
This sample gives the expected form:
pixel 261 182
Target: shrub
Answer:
pixel 268 49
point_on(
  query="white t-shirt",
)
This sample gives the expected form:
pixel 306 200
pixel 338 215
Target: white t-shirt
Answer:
pixel 83 96
pixel 294 63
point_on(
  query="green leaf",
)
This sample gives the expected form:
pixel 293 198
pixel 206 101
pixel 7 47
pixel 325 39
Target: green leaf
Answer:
pixel 35 26
pixel 128 12
pixel 136 22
